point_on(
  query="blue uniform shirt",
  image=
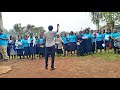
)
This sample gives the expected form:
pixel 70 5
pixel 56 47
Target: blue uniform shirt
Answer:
pixel 3 42
pixel 106 35
pixel 99 37
pixel 41 40
pixel 93 38
pixel 25 43
pixel 87 35
pixel 115 35
pixel 31 41
pixel 72 38
pixel 65 41
pixel 20 46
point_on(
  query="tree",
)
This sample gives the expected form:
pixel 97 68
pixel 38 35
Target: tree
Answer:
pixel 64 32
pixel 18 29
pixel 96 16
pixel 1 21
pixel 111 18
pixel 30 27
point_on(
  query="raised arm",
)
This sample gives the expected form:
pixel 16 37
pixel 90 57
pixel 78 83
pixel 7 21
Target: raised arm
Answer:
pixel 57 28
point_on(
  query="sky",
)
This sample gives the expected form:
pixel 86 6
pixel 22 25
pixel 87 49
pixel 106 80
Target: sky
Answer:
pixel 68 21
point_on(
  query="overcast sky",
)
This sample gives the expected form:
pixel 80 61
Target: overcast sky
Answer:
pixel 69 21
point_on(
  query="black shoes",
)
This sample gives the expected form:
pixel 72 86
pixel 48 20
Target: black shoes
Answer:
pixel 51 68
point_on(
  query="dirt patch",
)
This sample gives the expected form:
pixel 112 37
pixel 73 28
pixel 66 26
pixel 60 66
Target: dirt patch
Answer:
pixel 5 69
pixel 66 67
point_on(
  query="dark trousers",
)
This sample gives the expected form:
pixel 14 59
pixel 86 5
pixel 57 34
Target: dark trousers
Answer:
pixel 49 51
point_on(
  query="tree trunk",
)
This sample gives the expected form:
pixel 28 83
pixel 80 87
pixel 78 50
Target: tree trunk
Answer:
pixel 98 26
pixel 1 21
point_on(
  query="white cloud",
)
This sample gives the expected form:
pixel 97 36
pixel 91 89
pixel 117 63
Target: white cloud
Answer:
pixel 69 21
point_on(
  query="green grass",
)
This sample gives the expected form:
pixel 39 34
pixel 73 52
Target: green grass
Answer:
pixel 103 56
pixel 108 56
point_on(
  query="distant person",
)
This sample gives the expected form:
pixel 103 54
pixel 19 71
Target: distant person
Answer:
pixel 37 45
pixel 13 51
pixel 87 42
pixel 9 46
pixel 115 44
pixel 50 46
pixel 107 40
pixel 80 44
pixel 41 46
pixel 3 45
pixel 58 44
pixel 19 47
pixel 32 45
pixel 99 41
pixel 65 45
pixel 72 42
pixel 26 46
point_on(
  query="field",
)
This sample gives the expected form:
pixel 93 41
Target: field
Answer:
pixel 104 65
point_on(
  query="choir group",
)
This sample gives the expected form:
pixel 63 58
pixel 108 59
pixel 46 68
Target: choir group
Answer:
pixel 83 43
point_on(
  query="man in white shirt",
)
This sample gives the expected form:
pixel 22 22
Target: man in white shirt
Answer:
pixel 50 45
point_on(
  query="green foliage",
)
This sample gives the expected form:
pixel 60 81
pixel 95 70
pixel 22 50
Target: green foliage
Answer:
pixel 95 17
pixel 24 30
pixel 108 17
pixel 64 32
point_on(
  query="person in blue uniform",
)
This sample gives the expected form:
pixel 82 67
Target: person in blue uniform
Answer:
pixel 42 46
pixel 13 52
pixel 75 51
pixel 26 47
pixel 19 47
pixel 99 41
pixel 59 45
pixel 32 46
pixel 65 45
pixel 114 35
pixel 107 38
pixel 37 45
pixel 94 42
pixel 88 42
pixel 72 41
pixel 9 46
pixel 80 44
pixel 3 45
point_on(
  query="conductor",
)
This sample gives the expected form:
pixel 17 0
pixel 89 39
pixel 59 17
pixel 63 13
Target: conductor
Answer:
pixel 50 46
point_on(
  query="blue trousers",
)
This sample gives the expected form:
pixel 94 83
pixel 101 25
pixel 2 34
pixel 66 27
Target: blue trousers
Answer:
pixel 49 51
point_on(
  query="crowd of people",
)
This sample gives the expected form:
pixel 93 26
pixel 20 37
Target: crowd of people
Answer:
pixel 84 43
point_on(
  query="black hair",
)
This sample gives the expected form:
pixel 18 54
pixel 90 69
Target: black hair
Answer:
pixel 50 27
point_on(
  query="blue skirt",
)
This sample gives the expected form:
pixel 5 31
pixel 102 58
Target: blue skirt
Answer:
pixel 8 51
pixel 59 51
pixel 66 47
pixel 37 50
pixel 32 50
pixel 99 44
pixel 80 49
pixel 107 43
pixel 42 50
pixel 93 47
pixel 88 45
pixel 26 51
pixel 19 52
pixel 72 46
